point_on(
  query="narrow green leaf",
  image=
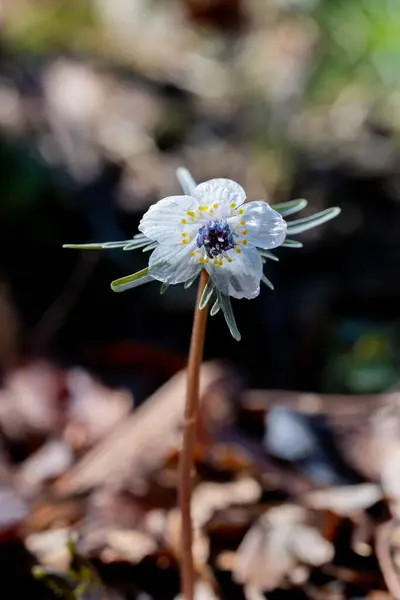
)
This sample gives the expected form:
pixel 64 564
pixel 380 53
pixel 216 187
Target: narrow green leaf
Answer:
pixel 267 254
pixel 98 246
pixel 110 245
pixel 59 584
pixel 150 247
pixel 164 288
pixel 267 282
pixel 190 281
pixel 136 244
pixel 84 246
pixel 226 306
pixel 207 294
pixel 215 308
pixel 292 244
pixel 131 281
pixel 291 207
pixel 301 225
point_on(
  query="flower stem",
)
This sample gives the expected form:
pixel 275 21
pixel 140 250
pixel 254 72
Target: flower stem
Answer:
pixel 186 466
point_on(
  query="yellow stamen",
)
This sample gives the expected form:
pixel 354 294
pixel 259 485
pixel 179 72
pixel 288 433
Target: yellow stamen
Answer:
pixel 230 260
pixel 244 242
pixel 193 254
pixel 184 234
pixel 241 211
pixel 245 232
pixel 206 260
pixel 238 250
pixel 190 213
pixel 184 241
pixel 184 221
pixel 243 222
pixel 215 205
pixel 233 205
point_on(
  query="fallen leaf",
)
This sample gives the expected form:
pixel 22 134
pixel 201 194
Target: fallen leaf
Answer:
pixel 50 461
pixel 141 443
pixel 344 500
pixel 93 408
pixel 278 541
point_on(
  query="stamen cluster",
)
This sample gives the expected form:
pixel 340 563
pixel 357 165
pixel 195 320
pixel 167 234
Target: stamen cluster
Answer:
pixel 216 237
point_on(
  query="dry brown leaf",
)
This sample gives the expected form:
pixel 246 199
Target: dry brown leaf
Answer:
pixel 13 509
pixel 386 441
pixel 127 545
pixel 344 500
pixel 94 409
pixel 276 544
pixel 379 595
pixel 202 591
pixel 30 400
pixel 388 550
pixel 139 445
pixel 252 593
pixel 50 547
pixel 53 515
pixel 210 497
pixel 50 461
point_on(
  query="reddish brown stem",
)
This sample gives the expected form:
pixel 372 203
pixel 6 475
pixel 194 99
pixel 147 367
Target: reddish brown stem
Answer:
pixel 186 467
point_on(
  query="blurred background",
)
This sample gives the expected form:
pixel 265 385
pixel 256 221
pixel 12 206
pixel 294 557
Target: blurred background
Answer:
pixel 101 100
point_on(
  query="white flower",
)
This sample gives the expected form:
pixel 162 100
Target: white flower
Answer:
pixel 211 227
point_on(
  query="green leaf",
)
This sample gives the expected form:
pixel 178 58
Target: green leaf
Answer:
pixel 92 246
pixel 291 207
pixel 207 294
pixel 108 245
pixel 226 306
pixel 301 225
pixel 136 244
pixel 131 281
pixel 215 308
pixel 164 288
pixel 190 281
pixel 267 254
pixel 150 247
pixel 58 583
pixel 267 282
pixel 292 244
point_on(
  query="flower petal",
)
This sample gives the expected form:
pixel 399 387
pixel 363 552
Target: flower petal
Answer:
pixel 163 220
pixel 260 225
pixel 224 192
pixel 173 264
pixel 241 277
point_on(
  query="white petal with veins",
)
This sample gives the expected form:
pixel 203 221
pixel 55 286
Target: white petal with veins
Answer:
pixel 241 277
pixel 224 192
pixel 260 225
pixel 174 264
pixel 163 221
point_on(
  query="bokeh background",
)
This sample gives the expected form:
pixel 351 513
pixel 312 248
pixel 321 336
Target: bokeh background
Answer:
pixel 100 102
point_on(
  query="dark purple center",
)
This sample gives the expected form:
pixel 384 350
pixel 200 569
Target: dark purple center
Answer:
pixel 216 237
